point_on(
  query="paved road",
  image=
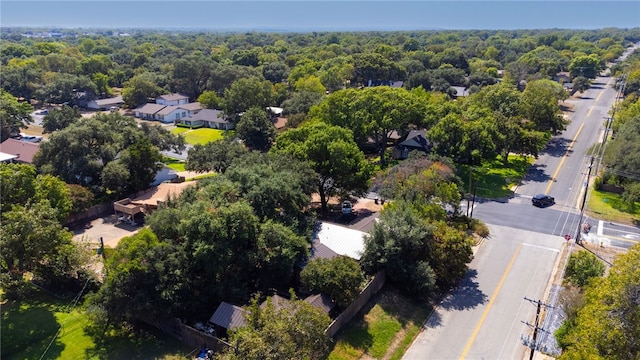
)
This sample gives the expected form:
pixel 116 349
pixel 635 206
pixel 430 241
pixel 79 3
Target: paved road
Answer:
pixel 483 317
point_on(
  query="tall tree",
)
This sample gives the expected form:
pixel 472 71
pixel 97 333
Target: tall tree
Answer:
pixel 341 278
pixel 14 115
pixel 214 156
pixel 256 130
pixel 585 65
pixel 191 74
pixel 540 105
pixel 247 93
pixel 139 89
pixel 58 119
pixel 332 154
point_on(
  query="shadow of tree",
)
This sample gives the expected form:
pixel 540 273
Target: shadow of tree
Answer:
pixel 466 295
pixel 28 326
pixel 557 146
pixel 536 174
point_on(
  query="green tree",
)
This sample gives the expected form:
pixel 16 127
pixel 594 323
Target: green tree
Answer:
pixel 586 65
pixel 58 119
pixel 311 84
pixel 332 154
pixel 209 100
pixel 139 89
pixel 540 105
pixel 213 156
pixel 399 244
pixel 256 130
pixel 293 331
pixel 341 278
pixel 622 154
pixel 102 83
pixel 581 267
pixel 247 93
pixel 191 74
pixel 581 84
pixel 301 102
pixel 607 326
pixel 14 115
pixel 60 88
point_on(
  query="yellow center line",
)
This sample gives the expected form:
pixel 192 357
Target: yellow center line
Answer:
pixel 491 301
pixel 566 153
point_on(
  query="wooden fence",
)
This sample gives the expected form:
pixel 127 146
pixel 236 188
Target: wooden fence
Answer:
pixel 365 295
pixel 186 334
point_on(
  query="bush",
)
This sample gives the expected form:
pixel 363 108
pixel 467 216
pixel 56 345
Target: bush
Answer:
pixel 479 228
pixel 583 266
pixel 597 183
pixel 189 126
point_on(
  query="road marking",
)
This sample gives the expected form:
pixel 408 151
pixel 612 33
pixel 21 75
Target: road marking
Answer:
pixel 491 301
pixel 600 227
pixel 541 247
pixel 566 153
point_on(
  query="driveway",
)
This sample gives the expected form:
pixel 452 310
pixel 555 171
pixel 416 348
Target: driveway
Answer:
pixel 108 227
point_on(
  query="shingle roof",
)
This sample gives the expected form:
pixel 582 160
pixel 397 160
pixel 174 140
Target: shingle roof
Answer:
pixel 167 110
pixel 416 140
pixel 150 108
pixel 228 316
pixel 110 101
pixel 191 106
pixel 24 148
pixel 173 97
pixel 321 301
pixel 209 115
pixel 278 302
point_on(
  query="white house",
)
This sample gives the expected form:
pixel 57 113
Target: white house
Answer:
pixel 172 99
pixel 214 119
pixel 105 104
pixel 148 111
pixel 171 114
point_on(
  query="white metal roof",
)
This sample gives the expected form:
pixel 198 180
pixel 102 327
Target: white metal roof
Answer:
pixel 342 240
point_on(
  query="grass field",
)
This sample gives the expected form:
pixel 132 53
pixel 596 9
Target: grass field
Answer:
pixel 610 207
pixel 388 327
pixel 198 136
pixel 494 180
pixel 29 326
pixel 175 164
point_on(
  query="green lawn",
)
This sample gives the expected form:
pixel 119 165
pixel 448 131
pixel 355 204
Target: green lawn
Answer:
pixel 175 164
pixel 198 136
pixel 610 207
pixel 29 326
pixel 386 330
pixel 496 180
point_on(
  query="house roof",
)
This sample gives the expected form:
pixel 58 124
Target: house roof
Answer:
pixel 280 123
pixel 340 239
pixel 416 140
pixel 109 101
pixel 150 108
pixel 173 97
pixel 194 106
pixel 278 302
pixel 6 157
pixel 461 90
pixel 209 115
pixel 168 110
pixel 161 193
pixel 25 149
pixel 275 110
pixel 321 301
pixel 228 316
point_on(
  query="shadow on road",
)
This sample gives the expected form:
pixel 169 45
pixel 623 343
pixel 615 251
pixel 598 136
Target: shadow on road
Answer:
pixel 536 173
pixel 557 146
pixel 466 295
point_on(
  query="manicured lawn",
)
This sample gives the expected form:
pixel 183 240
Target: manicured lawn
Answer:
pixel 175 164
pixel 29 326
pixel 496 180
pixel 610 207
pixel 387 328
pixel 199 136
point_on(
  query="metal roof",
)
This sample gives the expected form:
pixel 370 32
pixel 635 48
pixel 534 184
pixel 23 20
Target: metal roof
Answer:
pixel 24 149
pixel 228 316
pixel 321 301
pixel 340 239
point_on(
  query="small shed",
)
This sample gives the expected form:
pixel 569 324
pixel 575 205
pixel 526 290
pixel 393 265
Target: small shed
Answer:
pixel 227 317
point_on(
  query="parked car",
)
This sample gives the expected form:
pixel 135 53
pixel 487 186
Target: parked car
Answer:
pixel 29 138
pixel 542 200
pixel 347 207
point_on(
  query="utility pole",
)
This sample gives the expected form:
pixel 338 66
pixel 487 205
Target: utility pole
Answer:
pixel 584 200
pixel 533 345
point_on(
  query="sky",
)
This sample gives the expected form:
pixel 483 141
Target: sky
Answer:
pixel 321 15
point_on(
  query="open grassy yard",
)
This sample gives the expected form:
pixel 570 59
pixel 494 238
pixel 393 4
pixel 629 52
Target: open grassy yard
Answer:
pixel 29 326
pixel 610 207
pixel 387 328
pixel 494 179
pixel 198 136
pixel 175 164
